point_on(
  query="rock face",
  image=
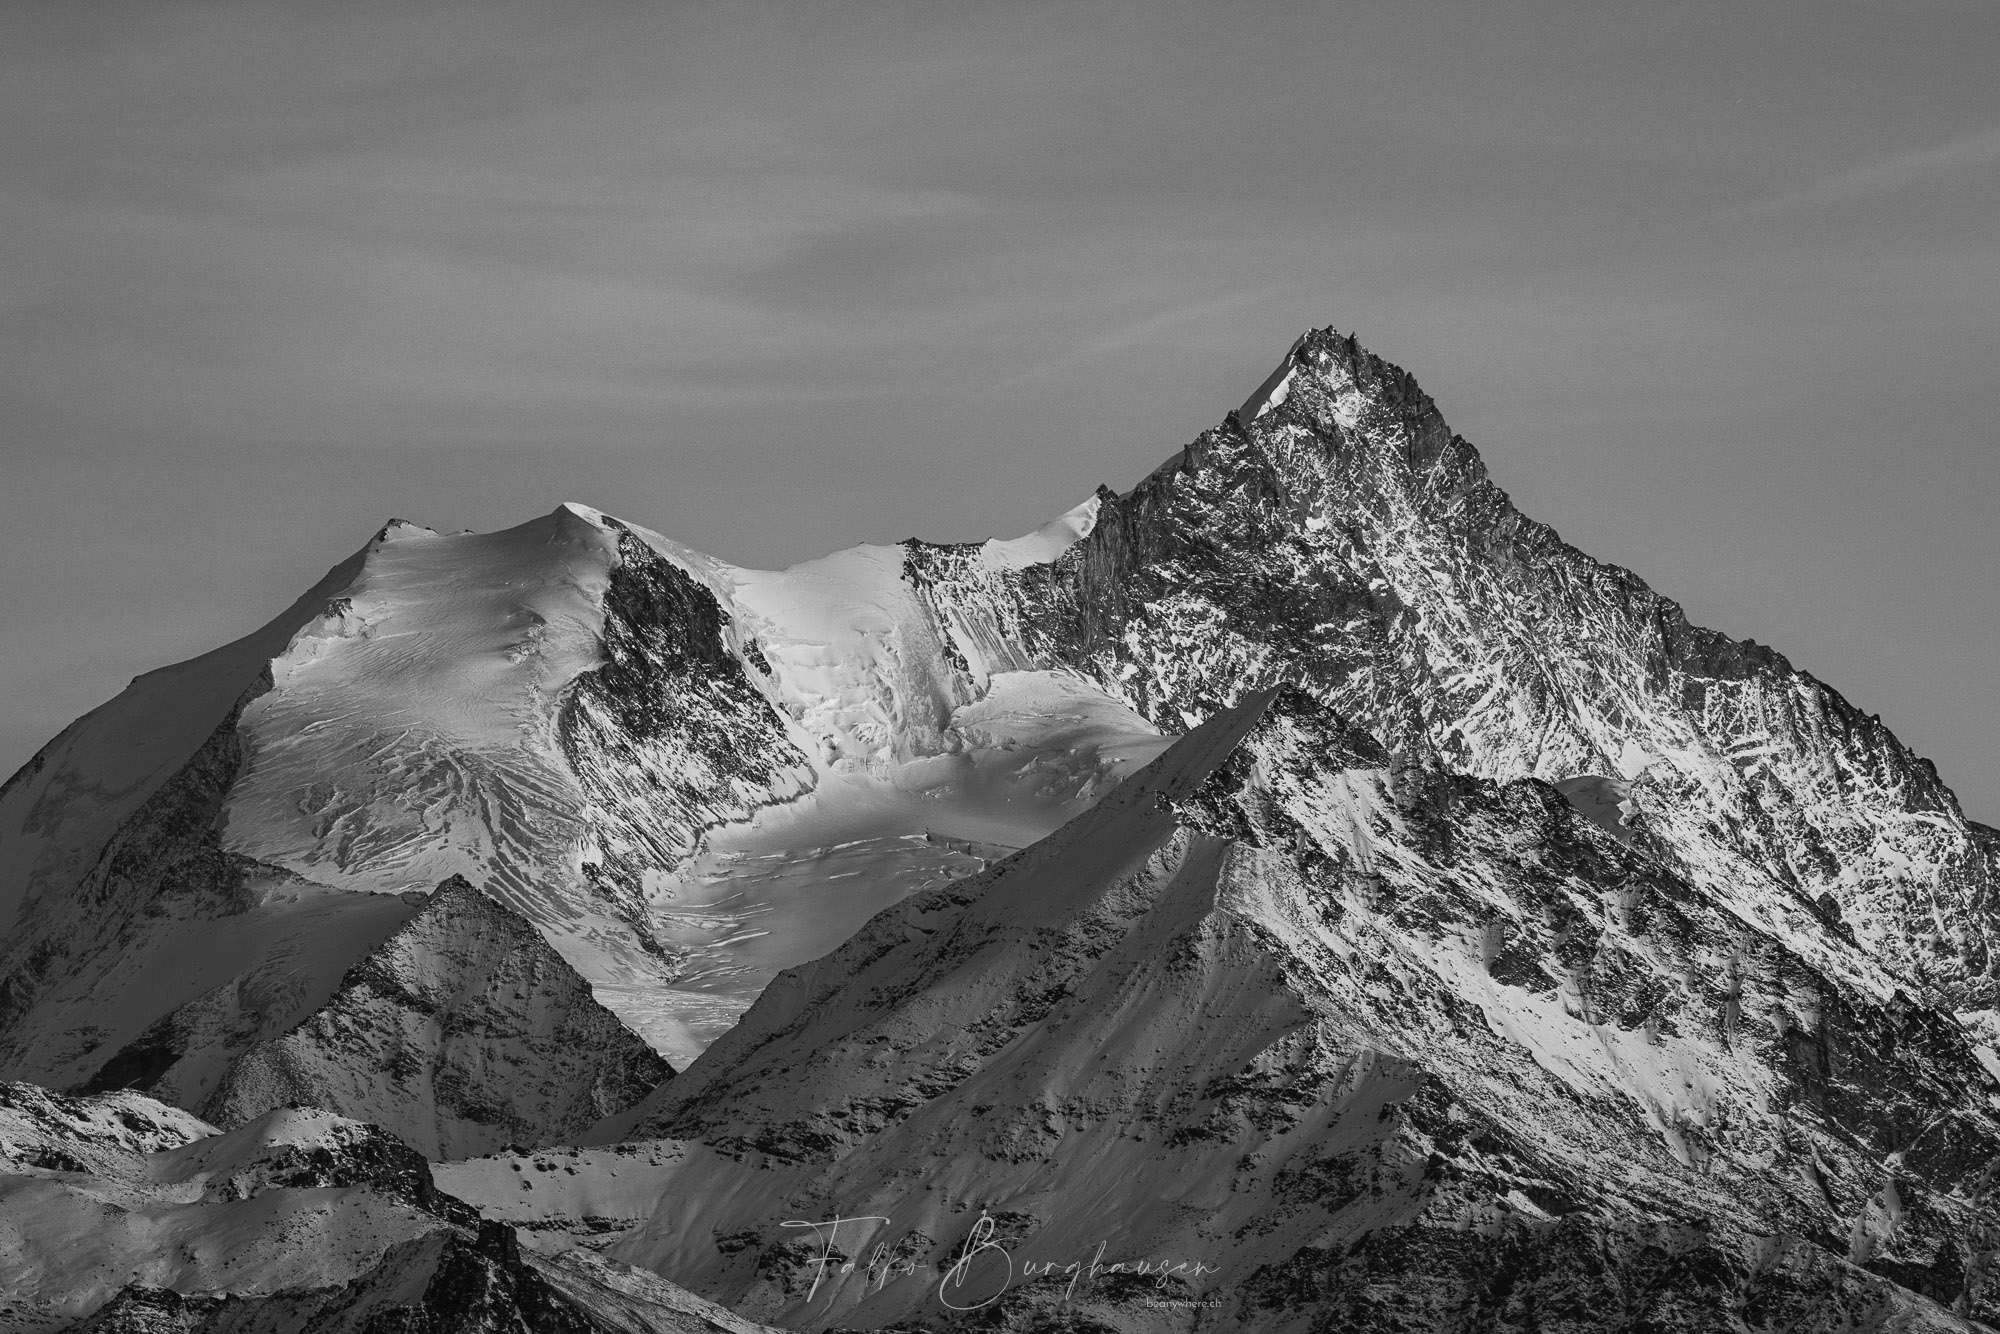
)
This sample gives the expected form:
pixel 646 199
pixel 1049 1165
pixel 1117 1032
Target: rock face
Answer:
pixel 1334 1044
pixel 119 1215
pixel 669 737
pixel 461 1033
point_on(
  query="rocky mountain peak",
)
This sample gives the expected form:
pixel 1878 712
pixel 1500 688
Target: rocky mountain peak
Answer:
pixel 1335 532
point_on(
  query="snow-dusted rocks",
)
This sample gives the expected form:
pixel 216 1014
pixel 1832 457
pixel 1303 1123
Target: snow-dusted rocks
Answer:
pixel 50 1130
pixel 448 1282
pixel 1340 535
pixel 461 1033
pixel 295 1199
pixel 119 1215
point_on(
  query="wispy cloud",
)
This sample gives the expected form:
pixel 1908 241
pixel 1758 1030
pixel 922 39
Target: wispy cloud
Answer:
pixel 1976 151
pixel 1150 328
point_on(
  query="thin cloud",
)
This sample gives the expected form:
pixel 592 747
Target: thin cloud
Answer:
pixel 1139 332
pixel 1977 151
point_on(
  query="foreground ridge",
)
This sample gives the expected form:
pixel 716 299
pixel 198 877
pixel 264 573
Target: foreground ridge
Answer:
pixel 140 1219
pixel 1379 1046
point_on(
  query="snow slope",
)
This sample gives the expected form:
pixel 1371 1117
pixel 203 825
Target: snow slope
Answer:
pixel 62 807
pixel 297 1199
pixel 404 739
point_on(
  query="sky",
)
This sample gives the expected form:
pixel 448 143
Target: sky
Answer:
pixel 1714 288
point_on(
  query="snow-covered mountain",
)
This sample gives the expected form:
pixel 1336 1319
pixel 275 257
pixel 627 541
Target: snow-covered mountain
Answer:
pixel 582 719
pixel 1492 943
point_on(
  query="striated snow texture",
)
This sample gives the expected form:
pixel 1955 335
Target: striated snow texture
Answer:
pixel 682 775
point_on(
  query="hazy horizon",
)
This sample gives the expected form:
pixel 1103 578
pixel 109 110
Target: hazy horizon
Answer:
pixel 1715 293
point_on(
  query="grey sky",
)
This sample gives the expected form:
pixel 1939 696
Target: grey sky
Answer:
pixel 1714 288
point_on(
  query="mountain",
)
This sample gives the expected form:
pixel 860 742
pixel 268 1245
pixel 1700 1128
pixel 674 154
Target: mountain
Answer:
pixel 124 1216
pixel 1335 532
pixel 575 715
pixel 1302 871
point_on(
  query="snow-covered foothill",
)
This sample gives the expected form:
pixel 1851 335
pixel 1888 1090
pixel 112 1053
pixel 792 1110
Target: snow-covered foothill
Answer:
pixel 120 1215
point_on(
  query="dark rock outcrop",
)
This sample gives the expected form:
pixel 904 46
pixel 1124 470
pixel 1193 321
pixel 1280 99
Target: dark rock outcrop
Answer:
pixel 669 737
